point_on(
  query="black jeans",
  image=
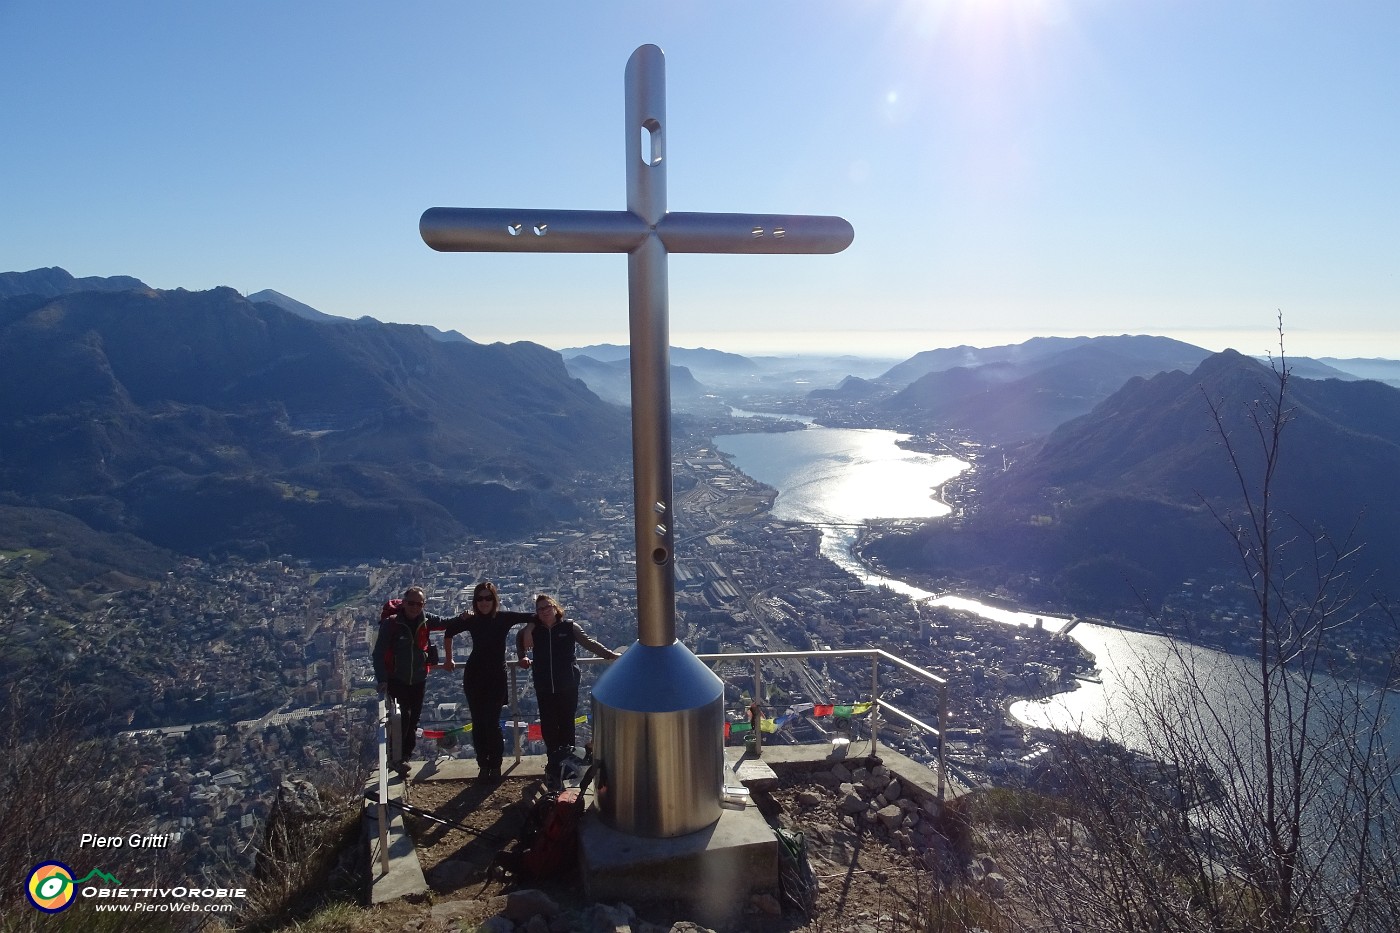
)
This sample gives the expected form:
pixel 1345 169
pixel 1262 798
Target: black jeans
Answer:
pixel 486 700
pixel 410 700
pixel 558 709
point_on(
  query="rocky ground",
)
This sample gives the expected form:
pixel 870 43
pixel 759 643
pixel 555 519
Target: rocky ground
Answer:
pixel 880 859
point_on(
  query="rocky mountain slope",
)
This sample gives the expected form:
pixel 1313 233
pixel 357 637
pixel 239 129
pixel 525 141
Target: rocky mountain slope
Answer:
pixel 1118 503
pixel 206 423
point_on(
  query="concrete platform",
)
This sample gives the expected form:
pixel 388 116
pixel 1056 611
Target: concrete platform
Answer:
pixel 734 857
pixel 405 875
pixel 917 779
pixel 405 879
pixel 730 860
pixel 465 769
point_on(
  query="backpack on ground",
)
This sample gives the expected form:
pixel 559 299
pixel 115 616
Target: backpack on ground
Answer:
pixel 548 843
pixel 795 878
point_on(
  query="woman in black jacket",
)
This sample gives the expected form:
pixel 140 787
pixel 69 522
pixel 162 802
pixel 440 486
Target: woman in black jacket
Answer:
pixel 546 647
pixel 484 674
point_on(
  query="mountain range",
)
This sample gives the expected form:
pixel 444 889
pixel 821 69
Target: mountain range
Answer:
pixel 699 373
pixel 1013 393
pixel 208 423
pixel 612 380
pixel 1027 390
pixel 1124 502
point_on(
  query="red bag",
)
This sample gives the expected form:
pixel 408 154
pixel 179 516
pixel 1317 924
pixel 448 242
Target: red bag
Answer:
pixel 548 844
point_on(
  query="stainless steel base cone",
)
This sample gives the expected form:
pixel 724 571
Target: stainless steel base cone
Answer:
pixel 658 738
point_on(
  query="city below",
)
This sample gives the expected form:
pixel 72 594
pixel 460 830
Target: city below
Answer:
pixel 744 582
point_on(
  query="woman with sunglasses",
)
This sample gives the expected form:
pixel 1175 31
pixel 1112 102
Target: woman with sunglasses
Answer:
pixel 484 674
pixel 546 646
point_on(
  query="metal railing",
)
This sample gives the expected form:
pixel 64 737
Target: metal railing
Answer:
pixel 390 737
pixel 389 731
pixel 878 704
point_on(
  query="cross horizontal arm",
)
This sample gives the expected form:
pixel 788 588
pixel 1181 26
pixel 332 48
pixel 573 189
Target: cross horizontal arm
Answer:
pixel 512 230
pixel 683 232
pixel 508 230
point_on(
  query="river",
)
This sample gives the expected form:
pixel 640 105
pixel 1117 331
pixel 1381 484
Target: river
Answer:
pixel 836 478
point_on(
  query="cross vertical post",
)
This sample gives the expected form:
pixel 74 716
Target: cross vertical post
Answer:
pixel 650 332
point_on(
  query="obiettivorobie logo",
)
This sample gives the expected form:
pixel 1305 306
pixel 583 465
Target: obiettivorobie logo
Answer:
pixel 52 888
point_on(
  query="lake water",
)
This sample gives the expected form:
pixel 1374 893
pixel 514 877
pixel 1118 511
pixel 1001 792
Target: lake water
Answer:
pixel 835 478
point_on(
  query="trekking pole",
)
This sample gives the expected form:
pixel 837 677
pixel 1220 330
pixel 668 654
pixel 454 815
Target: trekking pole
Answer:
pixel 419 811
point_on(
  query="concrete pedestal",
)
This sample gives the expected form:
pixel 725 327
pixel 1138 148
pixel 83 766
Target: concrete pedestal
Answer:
pixel 716 868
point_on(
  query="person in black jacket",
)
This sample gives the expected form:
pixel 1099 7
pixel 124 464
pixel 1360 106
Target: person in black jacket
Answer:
pixel 400 659
pixel 484 674
pixel 546 647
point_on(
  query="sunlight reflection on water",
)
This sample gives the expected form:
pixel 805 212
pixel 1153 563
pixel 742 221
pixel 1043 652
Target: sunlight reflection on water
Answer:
pixel 836 478
pixel 843 475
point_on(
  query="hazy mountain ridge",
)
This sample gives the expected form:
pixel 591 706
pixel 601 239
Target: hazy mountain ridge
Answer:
pixel 269 296
pixel 733 373
pixel 698 357
pixel 611 380
pixel 928 361
pixel 204 422
pixel 1387 371
pixel 1026 391
pixel 52 281
pixel 1112 505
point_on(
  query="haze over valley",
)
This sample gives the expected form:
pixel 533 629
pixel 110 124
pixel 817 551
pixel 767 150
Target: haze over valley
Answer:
pixel 203 495
pixel 208 424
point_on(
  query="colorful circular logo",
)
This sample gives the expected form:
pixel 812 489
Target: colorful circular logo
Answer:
pixel 50 887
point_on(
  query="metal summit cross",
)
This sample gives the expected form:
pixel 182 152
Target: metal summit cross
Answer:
pixel 646 232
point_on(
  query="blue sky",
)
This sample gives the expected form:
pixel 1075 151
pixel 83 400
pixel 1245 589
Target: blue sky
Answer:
pixel 1011 167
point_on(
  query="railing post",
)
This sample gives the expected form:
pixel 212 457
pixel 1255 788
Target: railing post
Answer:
pixel 514 708
pixel 758 702
pixel 874 703
pixel 395 729
pixel 382 806
pixel 942 731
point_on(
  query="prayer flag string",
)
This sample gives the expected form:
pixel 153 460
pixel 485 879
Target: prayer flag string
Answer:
pixel 533 731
